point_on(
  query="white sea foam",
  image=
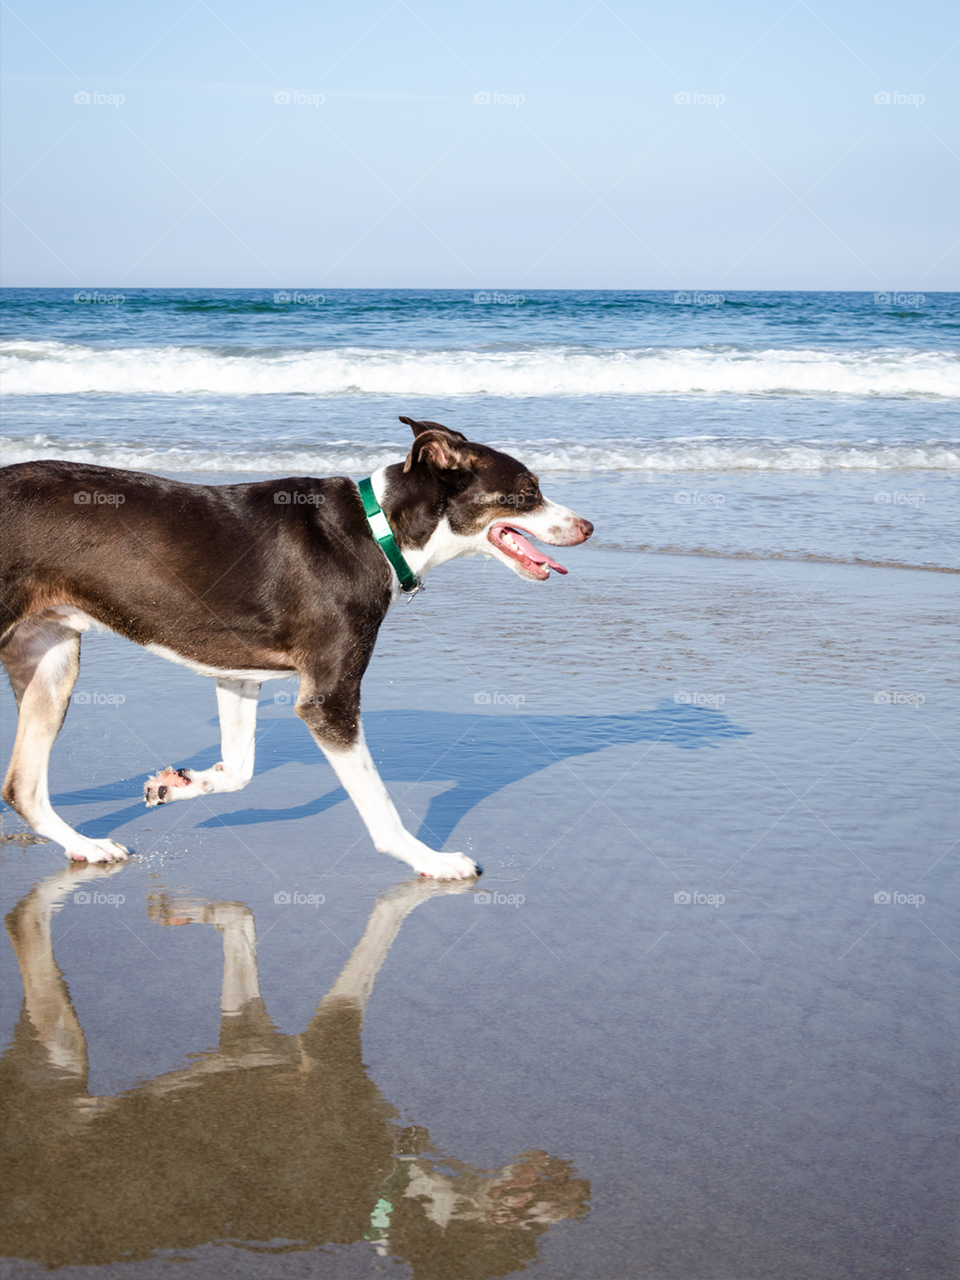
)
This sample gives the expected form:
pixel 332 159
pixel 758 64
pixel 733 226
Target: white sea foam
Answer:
pixel 707 455
pixel 55 368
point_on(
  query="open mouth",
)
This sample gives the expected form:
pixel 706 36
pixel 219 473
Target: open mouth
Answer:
pixel 512 543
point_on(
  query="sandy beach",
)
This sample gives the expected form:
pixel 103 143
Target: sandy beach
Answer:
pixel 698 1024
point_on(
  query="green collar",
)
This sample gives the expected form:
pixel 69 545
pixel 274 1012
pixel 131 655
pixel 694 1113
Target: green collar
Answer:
pixel 409 582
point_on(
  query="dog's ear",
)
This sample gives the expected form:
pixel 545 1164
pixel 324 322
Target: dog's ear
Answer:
pixel 442 450
pixel 420 427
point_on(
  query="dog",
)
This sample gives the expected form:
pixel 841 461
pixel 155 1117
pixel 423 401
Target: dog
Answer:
pixel 247 583
pixel 266 1137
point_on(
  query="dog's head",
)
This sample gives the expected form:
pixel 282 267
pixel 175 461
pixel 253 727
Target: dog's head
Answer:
pixel 467 499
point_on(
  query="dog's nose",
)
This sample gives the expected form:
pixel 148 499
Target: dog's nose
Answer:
pixel 586 528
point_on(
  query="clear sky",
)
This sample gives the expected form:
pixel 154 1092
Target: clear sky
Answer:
pixel 582 170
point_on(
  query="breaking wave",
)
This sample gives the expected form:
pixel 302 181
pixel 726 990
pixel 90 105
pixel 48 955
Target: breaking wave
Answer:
pixel 701 454
pixel 56 368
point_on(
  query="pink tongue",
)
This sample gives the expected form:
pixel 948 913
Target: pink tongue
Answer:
pixel 538 557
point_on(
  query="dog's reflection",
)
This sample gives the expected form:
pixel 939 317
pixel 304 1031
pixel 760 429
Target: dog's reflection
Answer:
pixel 278 1141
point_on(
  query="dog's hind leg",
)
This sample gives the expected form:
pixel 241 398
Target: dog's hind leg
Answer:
pixel 42 658
pixel 237 703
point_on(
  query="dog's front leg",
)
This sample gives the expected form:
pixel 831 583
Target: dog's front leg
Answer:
pixel 339 734
pixel 237 704
pixel 358 774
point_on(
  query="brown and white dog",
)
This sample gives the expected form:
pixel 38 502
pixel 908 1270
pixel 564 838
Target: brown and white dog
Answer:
pixel 245 583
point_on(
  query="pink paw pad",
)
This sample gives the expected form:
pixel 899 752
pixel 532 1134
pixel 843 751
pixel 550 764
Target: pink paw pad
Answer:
pixel 157 787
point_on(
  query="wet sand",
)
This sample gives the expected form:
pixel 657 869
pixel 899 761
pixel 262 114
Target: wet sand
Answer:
pixel 698 1049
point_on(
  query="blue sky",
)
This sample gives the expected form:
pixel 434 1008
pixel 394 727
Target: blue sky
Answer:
pixel 583 170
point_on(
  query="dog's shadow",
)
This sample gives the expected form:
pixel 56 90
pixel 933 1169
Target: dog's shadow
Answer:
pixel 476 755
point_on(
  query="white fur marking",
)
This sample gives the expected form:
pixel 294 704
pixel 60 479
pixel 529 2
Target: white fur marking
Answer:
pixel 363 784
pixel 237 704
pixel 218 673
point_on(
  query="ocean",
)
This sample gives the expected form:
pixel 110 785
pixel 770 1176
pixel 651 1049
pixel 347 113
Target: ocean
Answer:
pixel 694 1020
pixel 806 426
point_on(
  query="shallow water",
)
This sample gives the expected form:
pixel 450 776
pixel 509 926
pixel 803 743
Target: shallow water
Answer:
pixel 603 1080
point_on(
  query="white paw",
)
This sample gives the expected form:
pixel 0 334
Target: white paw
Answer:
pixel 445 866
pixel 83 850
pixel 174 784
